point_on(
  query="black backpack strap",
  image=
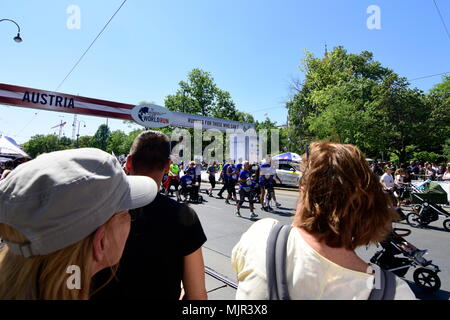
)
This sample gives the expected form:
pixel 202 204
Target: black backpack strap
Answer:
pixel 276 262
pixel 387 283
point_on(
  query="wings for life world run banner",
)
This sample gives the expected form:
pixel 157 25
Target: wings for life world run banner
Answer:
pixel 150 115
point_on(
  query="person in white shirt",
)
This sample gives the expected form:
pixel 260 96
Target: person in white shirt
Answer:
pixel 387 180
pixel 388 183
pixel 198 172
pixel 336 213
pixel 446 176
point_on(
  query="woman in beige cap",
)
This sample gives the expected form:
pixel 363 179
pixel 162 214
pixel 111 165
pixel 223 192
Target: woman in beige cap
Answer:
pixel 64 217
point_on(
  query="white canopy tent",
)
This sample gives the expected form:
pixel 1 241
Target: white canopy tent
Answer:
pixel 9 147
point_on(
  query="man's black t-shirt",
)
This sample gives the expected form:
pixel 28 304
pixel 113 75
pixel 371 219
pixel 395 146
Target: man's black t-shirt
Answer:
pixel 152 263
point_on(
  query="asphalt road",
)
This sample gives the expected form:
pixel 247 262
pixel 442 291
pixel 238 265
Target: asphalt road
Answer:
pixel 224 229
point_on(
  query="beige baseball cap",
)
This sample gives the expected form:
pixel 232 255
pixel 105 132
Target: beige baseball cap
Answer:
pixel 62 197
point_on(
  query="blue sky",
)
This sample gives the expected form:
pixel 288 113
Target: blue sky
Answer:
pixel 252 49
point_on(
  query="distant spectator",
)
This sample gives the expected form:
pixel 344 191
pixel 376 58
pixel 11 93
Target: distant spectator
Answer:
pixel 430 173
pixel 435 166
pixel 446 175
pixel 387 180
pixel 440 172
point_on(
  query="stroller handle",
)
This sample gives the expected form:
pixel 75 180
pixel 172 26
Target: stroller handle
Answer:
pixel 406 233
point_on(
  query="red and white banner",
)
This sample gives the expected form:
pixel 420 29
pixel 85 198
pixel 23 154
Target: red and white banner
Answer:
pixel 152 116
pixel 55 101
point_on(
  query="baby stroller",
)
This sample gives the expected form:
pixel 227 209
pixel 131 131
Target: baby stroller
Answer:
pixel 425 275
pixel 427 200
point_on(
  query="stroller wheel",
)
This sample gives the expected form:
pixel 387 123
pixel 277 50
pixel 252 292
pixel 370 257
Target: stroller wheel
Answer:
pixel 447 224
pixel 427 280
pixel 413 220
pixel 200 199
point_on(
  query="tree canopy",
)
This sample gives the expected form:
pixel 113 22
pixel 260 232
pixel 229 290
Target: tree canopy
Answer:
pixel 350 98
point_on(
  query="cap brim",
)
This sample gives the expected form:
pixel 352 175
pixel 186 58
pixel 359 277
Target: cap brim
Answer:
pixel 143 190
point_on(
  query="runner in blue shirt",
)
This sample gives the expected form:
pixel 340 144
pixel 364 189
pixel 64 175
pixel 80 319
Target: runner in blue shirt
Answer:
pixel 224 178
pixel 245 190
pixel 267 182
pixel 212 169
pixel 191 169
pixel 232 176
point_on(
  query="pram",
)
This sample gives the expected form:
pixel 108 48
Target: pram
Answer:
pixel 427 200
pixel 425 276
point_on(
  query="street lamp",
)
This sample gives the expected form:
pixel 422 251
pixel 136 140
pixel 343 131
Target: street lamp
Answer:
pixel 17 38
pixel 78 133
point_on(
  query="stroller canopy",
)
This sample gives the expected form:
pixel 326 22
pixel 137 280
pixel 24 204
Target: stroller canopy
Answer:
pixel 430 191
pixel 435 188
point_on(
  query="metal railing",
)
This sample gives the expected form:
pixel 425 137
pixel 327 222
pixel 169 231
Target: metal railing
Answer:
pixel 220 277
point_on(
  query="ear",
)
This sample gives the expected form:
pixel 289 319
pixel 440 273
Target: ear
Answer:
pixel 167 166
pixel 129 165
pixel 98 245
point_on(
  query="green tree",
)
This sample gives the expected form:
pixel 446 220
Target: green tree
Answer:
pixel 196 95
pixel 446 149
pixel 117 143
pixel 200 95
pixel 40 143
pixel 350 98
pixel 85 142
pixel 100 138
pixel 438 117
pixel 401 114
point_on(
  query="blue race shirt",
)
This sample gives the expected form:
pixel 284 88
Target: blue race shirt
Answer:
pixel 244 175
pixel 191 171
pixel 224 168
pixel 255 184
pixel 266 182
pixel 186 180
pixel 233 176
pixel 224 171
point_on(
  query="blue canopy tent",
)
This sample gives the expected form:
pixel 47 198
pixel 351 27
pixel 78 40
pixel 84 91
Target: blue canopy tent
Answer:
pixel 288 157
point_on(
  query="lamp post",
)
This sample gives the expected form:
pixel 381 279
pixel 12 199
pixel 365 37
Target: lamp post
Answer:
pixel 17 38
pixel 78 132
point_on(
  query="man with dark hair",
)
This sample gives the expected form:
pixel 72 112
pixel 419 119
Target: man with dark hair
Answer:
pixel 164 246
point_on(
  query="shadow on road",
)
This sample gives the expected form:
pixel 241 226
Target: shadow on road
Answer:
pixel 282 213
pixel 423 228
pixel 424 295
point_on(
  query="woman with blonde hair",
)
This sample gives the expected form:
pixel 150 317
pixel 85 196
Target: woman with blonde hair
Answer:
pixel 341 207
pixel 64 217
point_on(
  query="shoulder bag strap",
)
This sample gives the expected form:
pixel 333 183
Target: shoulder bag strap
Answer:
pixel 276 262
